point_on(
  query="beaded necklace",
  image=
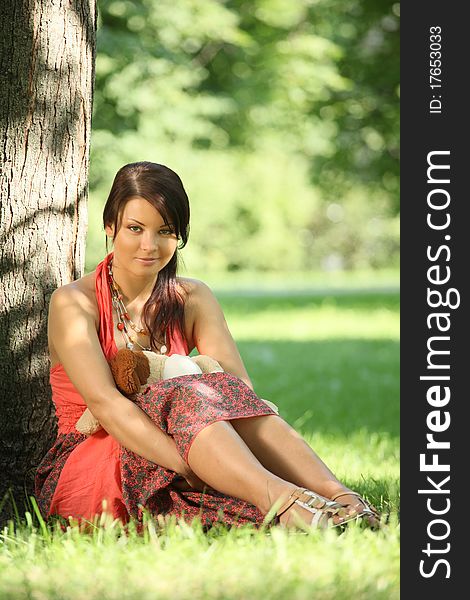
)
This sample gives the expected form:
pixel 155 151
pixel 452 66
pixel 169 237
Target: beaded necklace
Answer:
pixel 124 319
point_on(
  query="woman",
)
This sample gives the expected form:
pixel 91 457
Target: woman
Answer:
pixel 202 445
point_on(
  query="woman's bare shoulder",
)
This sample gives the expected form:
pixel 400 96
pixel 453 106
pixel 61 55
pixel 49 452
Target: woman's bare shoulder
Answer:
pixel 192 289
pixel 83 291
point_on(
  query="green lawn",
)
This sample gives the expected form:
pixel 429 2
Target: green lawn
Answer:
pixel 330 361
pixel 331 364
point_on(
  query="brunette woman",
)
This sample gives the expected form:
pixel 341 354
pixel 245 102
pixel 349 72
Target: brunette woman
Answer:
pixel 196 445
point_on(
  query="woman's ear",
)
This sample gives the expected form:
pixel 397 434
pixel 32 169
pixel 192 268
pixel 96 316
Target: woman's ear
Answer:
pixel 109 229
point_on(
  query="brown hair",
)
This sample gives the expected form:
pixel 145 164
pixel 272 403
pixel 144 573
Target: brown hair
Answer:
pixel 164 310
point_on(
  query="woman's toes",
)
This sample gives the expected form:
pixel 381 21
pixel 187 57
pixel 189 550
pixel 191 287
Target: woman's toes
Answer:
pixel 348 511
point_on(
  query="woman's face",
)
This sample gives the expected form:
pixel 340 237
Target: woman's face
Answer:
pixel 143 235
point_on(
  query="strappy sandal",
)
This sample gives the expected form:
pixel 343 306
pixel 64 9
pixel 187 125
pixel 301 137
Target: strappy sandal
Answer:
pixel 368 511
pixel 322 509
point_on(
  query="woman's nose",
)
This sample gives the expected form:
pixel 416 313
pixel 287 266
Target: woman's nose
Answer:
pixel 149 242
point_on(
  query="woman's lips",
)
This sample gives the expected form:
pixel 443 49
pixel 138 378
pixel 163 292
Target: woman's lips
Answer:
pixel 147 261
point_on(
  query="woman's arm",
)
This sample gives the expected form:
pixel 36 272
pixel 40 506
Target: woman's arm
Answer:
pixel 72 332
pixel 210 332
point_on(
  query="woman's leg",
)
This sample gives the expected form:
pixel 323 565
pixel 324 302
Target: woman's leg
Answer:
pixel 220 457
pixel 283 451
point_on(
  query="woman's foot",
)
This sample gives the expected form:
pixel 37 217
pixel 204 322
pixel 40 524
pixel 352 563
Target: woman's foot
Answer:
pixel 306 508
pixel 353 500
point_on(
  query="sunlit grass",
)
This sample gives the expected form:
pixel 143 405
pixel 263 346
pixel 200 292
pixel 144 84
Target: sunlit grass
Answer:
pixel 288 283
pixel 318 323
pixel 178 561
pixel 331 364
pixel 312 315
pixel 335 383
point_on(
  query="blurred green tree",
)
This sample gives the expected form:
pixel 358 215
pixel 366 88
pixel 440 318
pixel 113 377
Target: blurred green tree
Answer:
pixel 236 84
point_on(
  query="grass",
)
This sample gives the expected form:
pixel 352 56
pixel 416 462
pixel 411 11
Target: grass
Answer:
pixel 330 362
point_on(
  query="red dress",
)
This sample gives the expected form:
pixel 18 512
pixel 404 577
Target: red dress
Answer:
pixel 79 472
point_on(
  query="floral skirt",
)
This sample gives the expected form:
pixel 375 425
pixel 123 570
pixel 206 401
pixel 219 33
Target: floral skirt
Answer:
pixel 181 407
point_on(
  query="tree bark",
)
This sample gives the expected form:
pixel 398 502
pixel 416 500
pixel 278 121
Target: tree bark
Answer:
pixel 47 54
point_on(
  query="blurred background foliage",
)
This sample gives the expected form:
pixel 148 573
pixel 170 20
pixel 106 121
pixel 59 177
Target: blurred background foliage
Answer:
pixel 281 117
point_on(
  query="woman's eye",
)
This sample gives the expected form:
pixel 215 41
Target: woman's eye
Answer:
pixel 133 228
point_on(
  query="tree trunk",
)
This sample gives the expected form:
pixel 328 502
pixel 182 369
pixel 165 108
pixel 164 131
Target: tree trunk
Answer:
pixel 47 53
